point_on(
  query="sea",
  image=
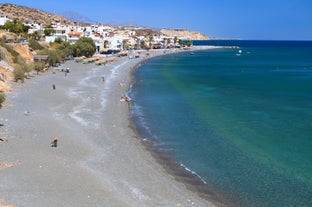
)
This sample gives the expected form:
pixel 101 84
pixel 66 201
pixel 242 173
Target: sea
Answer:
pixel 238 118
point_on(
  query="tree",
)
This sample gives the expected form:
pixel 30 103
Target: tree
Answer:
pixel 2 99
pixel 58 40
pixel 150 40
pixel 181 43
pixel 25 67
pixel 84 47
pixel 125 44
pixel 39 66
pixel 15 26
pixel 189 43
pixel 28 67
pixel 143 44
pixel 168 41
pixel 35 36
pixel 175 40
pixel 164 41
pixel 48 30
pixel 54 57
pixel 66 48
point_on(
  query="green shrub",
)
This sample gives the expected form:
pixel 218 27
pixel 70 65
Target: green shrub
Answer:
pixel 28 67
pixel 58 40
pixel 84 47
pixel 15 26
pixel 19 60
pixel 44 51
pixel 18 74
pixel 2 99
pixel 33 44
pixel 66 48
pixel 54 57
pixel 39 66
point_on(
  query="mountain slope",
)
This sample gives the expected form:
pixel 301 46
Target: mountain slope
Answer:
pixel 26 14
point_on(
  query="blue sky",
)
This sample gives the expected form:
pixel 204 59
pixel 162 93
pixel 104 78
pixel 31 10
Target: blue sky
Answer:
pixel 245 19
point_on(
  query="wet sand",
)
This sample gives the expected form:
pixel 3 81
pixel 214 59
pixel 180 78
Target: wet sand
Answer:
pixel 99 160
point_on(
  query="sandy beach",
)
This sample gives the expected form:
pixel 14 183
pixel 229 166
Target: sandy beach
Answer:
pixel 99 160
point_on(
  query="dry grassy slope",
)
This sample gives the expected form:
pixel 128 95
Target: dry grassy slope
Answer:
pixel 7 65
pixel 24 51
pixel 5 77
pixel 26 14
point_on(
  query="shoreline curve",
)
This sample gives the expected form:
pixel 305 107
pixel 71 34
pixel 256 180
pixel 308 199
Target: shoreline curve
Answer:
pixel 98 161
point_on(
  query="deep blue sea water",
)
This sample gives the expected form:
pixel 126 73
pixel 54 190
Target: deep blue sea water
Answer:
pixel 240 118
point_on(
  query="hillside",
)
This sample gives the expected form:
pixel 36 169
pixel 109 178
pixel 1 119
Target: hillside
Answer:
pixel 26 14
pixel 184 34
pixel 7 60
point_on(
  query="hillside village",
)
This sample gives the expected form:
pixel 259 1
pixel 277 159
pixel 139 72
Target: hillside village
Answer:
pixel 108 37
pixel 46 28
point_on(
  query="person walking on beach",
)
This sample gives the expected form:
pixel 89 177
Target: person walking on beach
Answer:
pixel 54 142
pixel 103 79
pixel 53 86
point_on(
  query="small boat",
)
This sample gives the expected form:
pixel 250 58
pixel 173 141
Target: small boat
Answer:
pixel 239 52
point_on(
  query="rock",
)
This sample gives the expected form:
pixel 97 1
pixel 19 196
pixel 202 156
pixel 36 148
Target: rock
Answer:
pixel 4 87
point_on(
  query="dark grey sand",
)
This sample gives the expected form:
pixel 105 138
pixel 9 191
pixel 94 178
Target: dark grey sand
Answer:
pixel 99 160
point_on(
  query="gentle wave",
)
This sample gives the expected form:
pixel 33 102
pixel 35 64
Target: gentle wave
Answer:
pixel 193 173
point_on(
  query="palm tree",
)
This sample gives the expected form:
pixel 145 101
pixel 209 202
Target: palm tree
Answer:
pixel 168 41
pixel 150 40
pixel 143 44
pixel 175 40
pixel 164 41
pixel 125 44
pixel 35 35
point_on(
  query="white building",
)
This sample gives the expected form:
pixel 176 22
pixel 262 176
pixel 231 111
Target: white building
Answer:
pixel 73 36
pixel 60 32
pixel 3 19
pixel 34 27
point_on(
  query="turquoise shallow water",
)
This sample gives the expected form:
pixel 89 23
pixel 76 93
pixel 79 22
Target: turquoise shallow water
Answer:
pixel 242 120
